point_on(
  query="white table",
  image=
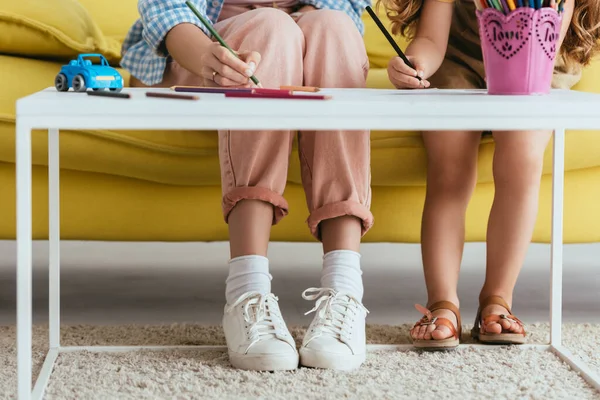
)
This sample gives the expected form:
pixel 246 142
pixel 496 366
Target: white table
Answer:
pixel 349 109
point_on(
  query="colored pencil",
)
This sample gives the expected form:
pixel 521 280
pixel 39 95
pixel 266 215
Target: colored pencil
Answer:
pixel 200 89
pixel 511 4
pixel 224 90
pixel 213 32
pixel 519 3
pixel 505 8
pixel 171 96
pixel 276 96
pixel 300 88
pixel 110 94
pixel 561 7
pixel 272 91
pixel 390 39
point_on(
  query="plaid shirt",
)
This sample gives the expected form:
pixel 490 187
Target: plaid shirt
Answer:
pixel 143 54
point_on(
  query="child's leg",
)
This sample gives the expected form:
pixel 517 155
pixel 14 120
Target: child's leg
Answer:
pixel 518 162
pixel 336 178
pixel 451 177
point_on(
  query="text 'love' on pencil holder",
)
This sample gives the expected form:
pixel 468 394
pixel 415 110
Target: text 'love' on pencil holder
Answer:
pixel 519 49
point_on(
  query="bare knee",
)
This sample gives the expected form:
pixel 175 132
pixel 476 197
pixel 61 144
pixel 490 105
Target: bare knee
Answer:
pixel 451 177
pixel 519 158
pixel 451 163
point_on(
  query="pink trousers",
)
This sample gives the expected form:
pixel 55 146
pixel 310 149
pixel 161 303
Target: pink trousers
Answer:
pixel 321 48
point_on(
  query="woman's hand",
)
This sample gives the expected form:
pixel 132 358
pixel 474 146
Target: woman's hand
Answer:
pixel 220 67
pixel 213 62
pixel 404 77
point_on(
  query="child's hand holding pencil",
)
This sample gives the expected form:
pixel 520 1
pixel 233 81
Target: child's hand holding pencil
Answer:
pixel 405 77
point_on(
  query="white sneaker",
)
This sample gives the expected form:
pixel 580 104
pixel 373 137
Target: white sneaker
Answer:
pixel 257 337
pixel 336 337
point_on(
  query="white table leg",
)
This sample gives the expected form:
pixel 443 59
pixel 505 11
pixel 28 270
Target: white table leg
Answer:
pixel 54 237
pixel 24 244
pixel 556 269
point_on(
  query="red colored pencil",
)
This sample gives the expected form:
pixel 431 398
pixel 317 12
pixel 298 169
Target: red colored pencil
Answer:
pixel 277 96
pixel 271 91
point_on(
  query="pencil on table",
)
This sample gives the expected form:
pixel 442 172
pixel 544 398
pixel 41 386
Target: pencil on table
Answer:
pixel 172 96
pixel 300 88
pixel 110 94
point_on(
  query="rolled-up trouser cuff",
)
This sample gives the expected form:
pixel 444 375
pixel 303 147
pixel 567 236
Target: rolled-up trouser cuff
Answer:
pixel 231 198
pixel 339 209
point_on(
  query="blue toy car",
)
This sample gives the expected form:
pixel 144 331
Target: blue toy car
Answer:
pixel 83 74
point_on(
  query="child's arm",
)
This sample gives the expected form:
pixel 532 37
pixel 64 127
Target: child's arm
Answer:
pixel 171 28
pixel 427 49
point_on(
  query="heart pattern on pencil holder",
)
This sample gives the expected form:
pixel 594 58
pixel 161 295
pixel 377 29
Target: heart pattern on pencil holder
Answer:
pixel 547 31
pixel 508 34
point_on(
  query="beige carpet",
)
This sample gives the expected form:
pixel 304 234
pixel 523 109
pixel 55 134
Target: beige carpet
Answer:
pixel 500 373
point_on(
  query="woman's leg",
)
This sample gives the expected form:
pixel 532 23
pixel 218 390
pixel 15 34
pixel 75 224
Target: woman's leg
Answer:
pixel 254 172
pixel 451 177
pixel 336 178
pixel 254 164
pixel 518 163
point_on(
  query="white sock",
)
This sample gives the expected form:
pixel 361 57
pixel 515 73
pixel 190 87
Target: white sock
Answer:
pixel 341 272
pixel 247 274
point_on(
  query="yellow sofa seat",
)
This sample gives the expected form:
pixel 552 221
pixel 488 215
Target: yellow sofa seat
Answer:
pixel 164 185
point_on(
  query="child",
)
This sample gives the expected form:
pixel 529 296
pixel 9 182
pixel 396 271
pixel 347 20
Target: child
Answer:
pixel 445 49
pixel 285 43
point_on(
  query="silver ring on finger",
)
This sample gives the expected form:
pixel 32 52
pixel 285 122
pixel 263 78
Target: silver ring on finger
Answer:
pixel 214 74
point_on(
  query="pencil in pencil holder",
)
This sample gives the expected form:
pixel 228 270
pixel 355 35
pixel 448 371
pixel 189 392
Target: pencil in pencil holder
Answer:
pixel 519 49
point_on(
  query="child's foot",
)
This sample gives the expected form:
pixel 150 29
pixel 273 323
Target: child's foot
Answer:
pixel 495 323
pixel 336 337
pixel 440 327
pixel 435 331
pixel 506 325
pixel 257 336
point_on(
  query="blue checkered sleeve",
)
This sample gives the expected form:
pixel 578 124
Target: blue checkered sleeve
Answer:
pixel 354 8
pixel 144 54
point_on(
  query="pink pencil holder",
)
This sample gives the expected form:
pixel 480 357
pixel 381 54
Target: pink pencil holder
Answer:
pixel 519 49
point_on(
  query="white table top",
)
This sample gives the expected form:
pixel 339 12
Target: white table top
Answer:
pixel 428 109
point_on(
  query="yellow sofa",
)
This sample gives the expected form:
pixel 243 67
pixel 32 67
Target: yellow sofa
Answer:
pixel 164 186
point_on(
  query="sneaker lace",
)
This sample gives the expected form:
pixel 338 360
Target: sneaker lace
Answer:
pixel 333 309
pixel 261 313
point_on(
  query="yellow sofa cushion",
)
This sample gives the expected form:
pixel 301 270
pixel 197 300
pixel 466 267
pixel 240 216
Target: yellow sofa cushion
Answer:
pixel 113 24
pixel 57 29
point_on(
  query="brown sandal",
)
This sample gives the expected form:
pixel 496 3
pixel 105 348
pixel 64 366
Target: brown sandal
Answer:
pixel 479 333
pixel 428 319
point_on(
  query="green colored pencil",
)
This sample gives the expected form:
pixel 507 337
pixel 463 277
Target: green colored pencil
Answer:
pixel 213 32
